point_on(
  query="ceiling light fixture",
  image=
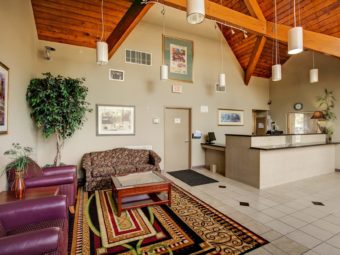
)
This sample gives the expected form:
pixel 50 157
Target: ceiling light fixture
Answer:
pixel 102 47
pixel 276 68
pixel 295 37
pixel 245 34
pixel 164 67
pixel 232 31
pixel 195 11
pixel 313 73
pixel 221 75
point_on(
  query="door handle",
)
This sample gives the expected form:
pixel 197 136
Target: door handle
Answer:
pixel 187 141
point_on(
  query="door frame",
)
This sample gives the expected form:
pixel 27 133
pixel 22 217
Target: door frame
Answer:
pixel 189 131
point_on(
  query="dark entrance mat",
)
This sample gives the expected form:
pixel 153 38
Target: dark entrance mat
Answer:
pixel 191 177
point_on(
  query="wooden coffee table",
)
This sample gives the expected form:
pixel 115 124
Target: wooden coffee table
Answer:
pixel 140 189
pixel 31 193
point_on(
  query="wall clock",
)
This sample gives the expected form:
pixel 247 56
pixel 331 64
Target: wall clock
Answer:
pixel 298 106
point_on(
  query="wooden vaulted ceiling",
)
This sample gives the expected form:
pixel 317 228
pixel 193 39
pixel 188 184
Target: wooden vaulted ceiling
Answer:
pixel 77 22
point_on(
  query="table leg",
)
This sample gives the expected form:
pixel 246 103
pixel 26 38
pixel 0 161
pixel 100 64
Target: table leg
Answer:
pixel 119 205
pixel 169 195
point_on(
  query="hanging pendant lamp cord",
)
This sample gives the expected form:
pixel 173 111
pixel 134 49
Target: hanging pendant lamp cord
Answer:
pixel 221 46
pixel 313 59
pixel 276 41
pixel 103 27
pixel 294 15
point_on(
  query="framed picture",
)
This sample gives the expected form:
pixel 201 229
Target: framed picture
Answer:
pixel 115 120
pixel 228 117
pixel 116 75
pixel 178 55
pixel 4 75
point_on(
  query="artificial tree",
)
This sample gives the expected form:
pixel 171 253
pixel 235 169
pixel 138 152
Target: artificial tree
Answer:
pixel 58 107
pixel 327 103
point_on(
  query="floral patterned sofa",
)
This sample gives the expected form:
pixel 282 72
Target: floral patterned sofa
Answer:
pixel 100 165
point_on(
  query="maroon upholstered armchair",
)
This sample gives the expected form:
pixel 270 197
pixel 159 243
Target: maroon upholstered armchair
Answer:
pixel 63 176
pixel 36 226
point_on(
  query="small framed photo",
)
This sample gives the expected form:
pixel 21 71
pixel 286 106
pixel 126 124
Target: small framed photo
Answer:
pixel 4 75
pixel 116 75
pixel 229 117
pixel 115 120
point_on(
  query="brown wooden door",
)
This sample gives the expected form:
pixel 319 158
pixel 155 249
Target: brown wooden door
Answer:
pixel 177 131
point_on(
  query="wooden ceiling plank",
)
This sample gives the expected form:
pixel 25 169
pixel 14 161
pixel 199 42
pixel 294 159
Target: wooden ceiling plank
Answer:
pixel 130 20
pixel 260 42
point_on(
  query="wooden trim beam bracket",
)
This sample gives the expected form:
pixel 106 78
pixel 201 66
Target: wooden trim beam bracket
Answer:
pixel 130 20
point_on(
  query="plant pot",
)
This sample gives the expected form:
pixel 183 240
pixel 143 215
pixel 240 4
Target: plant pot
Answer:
pixel 18 186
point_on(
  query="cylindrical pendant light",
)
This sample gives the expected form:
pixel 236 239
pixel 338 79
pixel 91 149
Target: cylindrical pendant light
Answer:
pixel 276 72
pixel 102 53
pixel 295 40
pixel 102 48
pixel 221 79
pixel 164 72
pixel 295 37
pixel 195 11
pixel 313 75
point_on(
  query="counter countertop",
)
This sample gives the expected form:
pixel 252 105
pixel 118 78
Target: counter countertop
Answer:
pixel 270 135
pixel 291 146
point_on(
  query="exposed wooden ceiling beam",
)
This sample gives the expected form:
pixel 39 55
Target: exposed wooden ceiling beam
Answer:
pixel 130 20
pixel 255 56
pixel 256 12
pixel 312 40
pixel 254 9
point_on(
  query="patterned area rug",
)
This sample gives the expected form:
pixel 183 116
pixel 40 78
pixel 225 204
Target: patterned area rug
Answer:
pixel 189 227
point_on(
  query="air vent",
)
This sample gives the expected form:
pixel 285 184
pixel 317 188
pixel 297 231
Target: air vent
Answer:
pixel 221 89
pixel 138 57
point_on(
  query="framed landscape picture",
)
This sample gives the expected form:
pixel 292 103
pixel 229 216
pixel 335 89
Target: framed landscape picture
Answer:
pixel 115 120
pixel 4 75
pixel 178 55
pixel 228 117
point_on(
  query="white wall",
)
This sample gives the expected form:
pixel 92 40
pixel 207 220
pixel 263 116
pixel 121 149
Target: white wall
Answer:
pixel 18 52
pixel 143 88
pixel 295 87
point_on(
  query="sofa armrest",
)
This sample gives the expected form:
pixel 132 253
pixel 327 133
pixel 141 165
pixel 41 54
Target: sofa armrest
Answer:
pixel 31 243
pixel 155 159
pixel 49 180
pixel 60 170
pixel 24 212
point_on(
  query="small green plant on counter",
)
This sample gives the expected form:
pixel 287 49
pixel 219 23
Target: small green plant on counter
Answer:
pixel 327 103
pixel 19 156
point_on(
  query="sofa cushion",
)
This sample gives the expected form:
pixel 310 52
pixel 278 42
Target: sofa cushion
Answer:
pixel 3 231
pixel 145 167
pixel 125 169
pixel 103 171
pixel 102 158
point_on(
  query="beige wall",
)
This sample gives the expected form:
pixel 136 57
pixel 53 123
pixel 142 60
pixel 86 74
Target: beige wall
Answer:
pixel 295 87
pixel 18 52
pixel 143 88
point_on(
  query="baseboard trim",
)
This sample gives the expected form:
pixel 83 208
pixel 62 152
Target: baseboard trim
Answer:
pixel 337 170
pixel 198 167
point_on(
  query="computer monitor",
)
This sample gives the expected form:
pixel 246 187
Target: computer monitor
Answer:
pixel 211 137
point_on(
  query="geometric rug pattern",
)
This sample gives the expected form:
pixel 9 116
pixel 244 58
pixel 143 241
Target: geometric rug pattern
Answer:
pixel 189 226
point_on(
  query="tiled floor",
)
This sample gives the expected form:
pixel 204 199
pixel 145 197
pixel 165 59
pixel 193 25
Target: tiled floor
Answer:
pixel 284 215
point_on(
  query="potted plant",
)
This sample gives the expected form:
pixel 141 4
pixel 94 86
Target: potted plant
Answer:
pixel 327 103
pixel 58 107
pixel 20 160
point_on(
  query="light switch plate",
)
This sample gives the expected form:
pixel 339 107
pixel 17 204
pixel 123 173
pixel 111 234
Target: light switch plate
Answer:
pixel 204 108
pixel 177 89
pixel 155 120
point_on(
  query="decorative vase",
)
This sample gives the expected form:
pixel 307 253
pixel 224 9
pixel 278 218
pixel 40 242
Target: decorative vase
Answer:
pixel 18 186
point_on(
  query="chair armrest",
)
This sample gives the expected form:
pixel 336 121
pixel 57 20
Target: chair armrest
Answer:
pixel 31 243
pixel 24 212
pixel 49 180
pixel 154 158
pixel 60 170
